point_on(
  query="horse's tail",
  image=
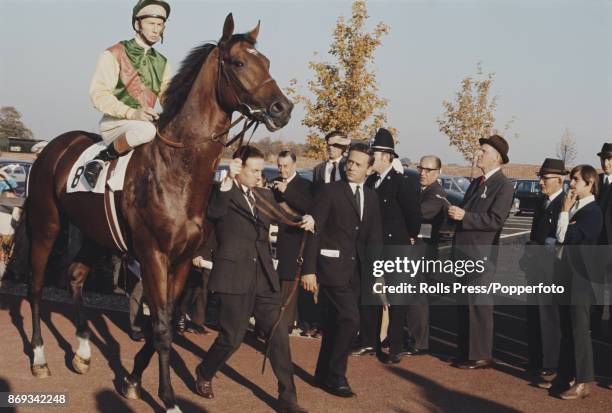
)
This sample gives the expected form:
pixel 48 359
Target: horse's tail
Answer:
pixel 19 266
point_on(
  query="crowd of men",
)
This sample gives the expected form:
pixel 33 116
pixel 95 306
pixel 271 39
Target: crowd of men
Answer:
pixel 358 202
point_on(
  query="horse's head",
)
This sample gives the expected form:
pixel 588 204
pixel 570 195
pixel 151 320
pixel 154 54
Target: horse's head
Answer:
pixel 245 83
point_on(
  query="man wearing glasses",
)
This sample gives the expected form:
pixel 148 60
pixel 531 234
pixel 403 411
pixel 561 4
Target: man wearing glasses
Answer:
pixel 543 323
pixel 334 169
pixel 433 200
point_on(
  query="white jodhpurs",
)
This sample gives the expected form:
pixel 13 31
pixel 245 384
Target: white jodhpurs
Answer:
pixel 136 132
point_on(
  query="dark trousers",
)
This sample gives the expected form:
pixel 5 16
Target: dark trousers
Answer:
pixel 234 313
pixel 290 314
pixel 308 311
pixel 340 307
pixel 416 318
pixel 475 331
pixel 576 355
pixel 195 296
pixel 370 319
pixel 543 336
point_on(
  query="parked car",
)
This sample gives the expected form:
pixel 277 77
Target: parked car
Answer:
pixel 19 171
pixel 527 193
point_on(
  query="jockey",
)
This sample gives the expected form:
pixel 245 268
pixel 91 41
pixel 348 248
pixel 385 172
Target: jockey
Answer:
pixel 128 80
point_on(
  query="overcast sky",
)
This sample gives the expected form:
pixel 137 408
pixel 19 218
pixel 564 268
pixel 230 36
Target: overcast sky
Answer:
pixel 552 60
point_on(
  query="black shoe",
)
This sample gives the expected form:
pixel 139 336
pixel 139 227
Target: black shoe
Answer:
pixel 475 364
pixel 92 171
pixel 413 351
pixel 364 351
pixel 338 388
pixel 137 335
pixel 393 358
pixel 194 328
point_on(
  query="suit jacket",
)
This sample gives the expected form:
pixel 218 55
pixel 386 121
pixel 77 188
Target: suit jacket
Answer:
pixel 544 223
pixel 433 209
pixel 318 174
pixel 604 199
pixel 340 231
pixel 486 208
pixel 399 208
pixel 298 197
pixel 242 241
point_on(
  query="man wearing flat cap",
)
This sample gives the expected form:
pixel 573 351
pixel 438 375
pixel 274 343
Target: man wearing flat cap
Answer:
pixel 334 169
pixel 129 79
pixel 401 223
pixel 480 220
pixel 543 322
pixel 604 199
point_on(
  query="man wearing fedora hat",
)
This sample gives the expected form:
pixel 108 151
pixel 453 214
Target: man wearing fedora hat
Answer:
pixel 401 222
pixel 604 199
pixel 334 168
pixel 480 220
pixel 543 322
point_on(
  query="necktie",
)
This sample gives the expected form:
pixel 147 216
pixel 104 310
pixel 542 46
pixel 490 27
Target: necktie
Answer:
pixel 252 201
pixel 332 176
pixel 358 200
pixel 378 180
pixel 546 202
pixel 482 181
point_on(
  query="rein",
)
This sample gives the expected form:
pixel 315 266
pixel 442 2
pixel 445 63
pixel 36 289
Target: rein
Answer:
pixel 275 214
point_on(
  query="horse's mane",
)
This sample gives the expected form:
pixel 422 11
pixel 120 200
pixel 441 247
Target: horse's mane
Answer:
pixel 181 83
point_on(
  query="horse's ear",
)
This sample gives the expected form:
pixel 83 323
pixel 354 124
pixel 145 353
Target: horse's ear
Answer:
pixel 253 33
pixel 228 28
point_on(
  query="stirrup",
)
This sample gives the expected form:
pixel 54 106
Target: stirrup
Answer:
pixel 92 171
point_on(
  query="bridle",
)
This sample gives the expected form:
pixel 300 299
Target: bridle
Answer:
pixel 248 114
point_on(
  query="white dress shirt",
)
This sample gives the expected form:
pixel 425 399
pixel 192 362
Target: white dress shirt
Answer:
pixel 328 168
pixel 490 173
pixel 565 217
pixel 382 177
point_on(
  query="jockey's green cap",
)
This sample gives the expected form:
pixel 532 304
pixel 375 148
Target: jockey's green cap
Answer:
pixel 151 8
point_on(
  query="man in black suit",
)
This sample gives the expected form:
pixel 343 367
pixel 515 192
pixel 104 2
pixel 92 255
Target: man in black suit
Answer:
pixel 543 325
pixel 243 277
pixel 333 169
pixel 433 201
pixel 604 199
pixel 348 227
pixel 401 222
pixel 480 220
pixel 293 194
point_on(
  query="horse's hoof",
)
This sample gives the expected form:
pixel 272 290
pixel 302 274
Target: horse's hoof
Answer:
pixel 40 371
pixel 130 390
pixel 80 364
pixel 175 409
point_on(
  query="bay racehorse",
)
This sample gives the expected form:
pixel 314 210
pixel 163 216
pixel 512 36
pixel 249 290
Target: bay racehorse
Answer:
pixel 166 190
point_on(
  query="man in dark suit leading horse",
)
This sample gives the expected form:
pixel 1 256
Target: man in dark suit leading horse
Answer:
pixel 243 277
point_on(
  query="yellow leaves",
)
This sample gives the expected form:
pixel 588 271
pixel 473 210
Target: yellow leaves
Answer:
pixel 344 93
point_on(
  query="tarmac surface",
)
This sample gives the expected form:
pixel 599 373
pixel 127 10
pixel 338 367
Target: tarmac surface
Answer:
pixel 418 384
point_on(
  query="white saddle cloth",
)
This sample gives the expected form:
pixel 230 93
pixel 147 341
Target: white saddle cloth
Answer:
pixel 78 183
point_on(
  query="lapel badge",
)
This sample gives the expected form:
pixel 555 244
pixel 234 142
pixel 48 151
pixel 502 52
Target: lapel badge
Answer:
pixel 484 193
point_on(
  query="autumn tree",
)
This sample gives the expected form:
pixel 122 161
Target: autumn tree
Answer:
pixel 470 116
pixel 11 125
pixel 345 91
pixel 566 148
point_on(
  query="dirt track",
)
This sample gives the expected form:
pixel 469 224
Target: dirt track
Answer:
pixel 422 384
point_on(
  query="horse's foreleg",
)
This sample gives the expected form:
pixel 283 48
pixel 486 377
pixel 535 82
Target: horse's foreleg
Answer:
pixel 82 357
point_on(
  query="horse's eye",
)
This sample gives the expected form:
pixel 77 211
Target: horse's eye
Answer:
pixel 238 63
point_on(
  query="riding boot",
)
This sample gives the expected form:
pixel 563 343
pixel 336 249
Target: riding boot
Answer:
pixel 113 151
